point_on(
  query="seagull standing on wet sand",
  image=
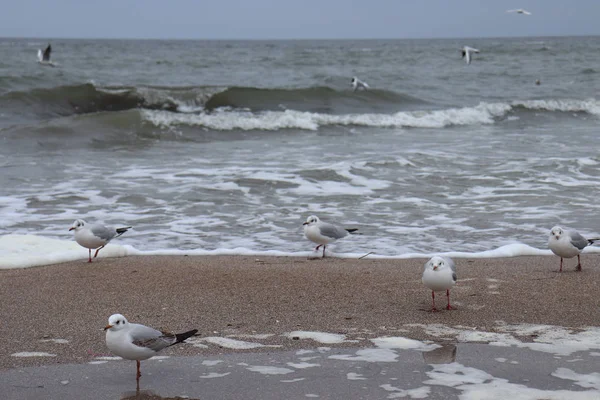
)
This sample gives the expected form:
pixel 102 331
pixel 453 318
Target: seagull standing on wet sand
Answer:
pixel 323 233
pixel 568 244
pixel 439 275
pixel 94 236
pixel 139 342
pixel 466 53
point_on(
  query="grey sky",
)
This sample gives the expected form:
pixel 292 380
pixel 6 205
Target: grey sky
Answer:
pixel 284 19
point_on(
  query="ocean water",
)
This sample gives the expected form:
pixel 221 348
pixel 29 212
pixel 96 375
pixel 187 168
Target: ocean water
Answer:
pixel 228 146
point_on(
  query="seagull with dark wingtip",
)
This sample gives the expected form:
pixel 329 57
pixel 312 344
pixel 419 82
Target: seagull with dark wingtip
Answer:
pixel 139 342
pixel 323 233
pixel 568 244
pixel 95 236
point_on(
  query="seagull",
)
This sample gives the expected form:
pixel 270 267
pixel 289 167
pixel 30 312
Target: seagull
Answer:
pixel 466 53
pixel 323 233
pixel 94 236
pixel 139 342
pixel 567 244
pixel 44 56
pixel 358 84
pixel 439 275
pixel 519 11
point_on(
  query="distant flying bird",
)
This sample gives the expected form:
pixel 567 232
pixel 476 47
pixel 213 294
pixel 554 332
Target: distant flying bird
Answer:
pixel 519 11
pixel 358 84
pixel 44 56
pixel 466 53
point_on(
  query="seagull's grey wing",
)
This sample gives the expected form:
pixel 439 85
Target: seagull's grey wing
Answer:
pixel 103 232
pixel 144 336
pixel 332 231
pixel 578 241
pixel 451 264
pixel 47 53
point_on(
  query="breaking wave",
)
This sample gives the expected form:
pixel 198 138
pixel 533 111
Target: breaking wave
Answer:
pixel 247 108
pixel 485 113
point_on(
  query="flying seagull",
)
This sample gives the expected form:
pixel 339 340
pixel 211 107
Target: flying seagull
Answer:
pixel 519 11
pixel 358 84
pixel 466 53
pixel 44 56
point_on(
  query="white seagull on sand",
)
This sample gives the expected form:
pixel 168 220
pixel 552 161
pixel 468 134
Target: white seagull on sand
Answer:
pixel 567 244
pixel 466 53
pixel 439 275
pixel 323 233
pixel 95 236
pixel 358 84
pixel 139 342
pixel 519 11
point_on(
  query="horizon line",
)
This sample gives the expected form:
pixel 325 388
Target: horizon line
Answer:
pixel 296 39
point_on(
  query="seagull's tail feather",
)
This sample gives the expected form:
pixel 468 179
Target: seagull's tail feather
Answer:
pixel 182 336
pixel 121 231
pixel 352 231
pixel 591 241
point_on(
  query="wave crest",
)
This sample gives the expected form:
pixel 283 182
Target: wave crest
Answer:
pixel 227 119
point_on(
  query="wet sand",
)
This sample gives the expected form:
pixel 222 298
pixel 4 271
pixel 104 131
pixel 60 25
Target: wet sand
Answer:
pixel 237 295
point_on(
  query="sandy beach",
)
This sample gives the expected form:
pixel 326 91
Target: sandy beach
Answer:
pixel 235 296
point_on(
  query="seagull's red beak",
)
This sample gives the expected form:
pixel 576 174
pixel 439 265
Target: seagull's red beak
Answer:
pixel 306 223
pixel 435 267
pixel 107 327
pixel 71 228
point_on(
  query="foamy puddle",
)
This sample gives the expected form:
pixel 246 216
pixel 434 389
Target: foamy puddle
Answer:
pixel 559 365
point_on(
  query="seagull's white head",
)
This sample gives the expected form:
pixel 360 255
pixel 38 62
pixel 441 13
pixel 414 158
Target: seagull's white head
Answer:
pixel 312 220
pixel 556 232
pixel 77 225
pixel 436 263
pixel 116 322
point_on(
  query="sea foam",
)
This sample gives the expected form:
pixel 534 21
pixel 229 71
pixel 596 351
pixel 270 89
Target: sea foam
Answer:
pixel 22 251
pixel 481 114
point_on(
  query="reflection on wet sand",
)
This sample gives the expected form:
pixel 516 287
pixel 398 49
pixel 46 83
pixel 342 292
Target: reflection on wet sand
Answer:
pixel 149 395
pixel 442 355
